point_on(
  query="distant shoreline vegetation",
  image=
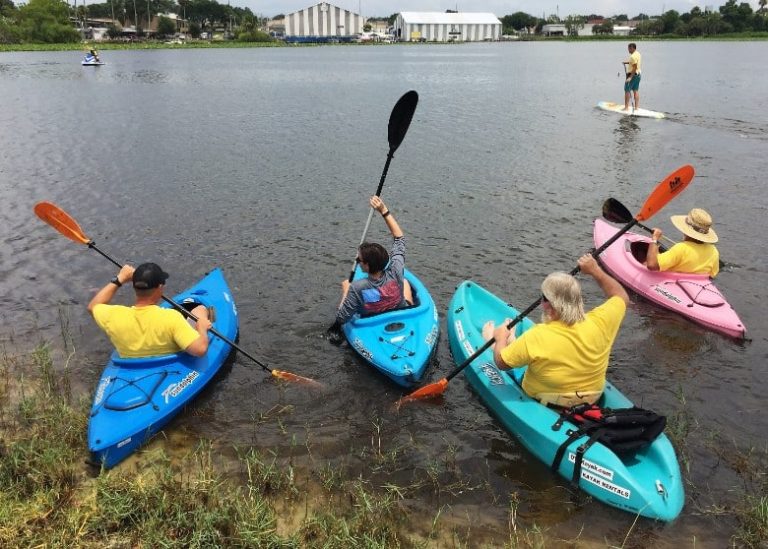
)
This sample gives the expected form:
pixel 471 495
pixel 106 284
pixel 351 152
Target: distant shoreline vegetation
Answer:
pixel 202 44
pixel 55 22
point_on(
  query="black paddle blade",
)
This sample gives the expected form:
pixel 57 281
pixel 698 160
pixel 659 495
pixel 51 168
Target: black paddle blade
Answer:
pixel 616 212
pixel 400 119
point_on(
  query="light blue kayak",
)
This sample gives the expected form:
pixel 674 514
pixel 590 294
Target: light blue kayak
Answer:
pixel 136 397
pixel 647 484
pixel 398 343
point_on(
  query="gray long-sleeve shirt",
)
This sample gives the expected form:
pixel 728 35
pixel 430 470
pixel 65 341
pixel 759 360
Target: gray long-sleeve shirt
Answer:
pixel 368 296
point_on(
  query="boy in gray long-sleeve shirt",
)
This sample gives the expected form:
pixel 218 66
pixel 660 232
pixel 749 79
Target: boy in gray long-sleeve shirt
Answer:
pixel 384 288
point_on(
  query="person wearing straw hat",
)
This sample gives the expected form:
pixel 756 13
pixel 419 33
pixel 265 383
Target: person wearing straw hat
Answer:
pixel 696 254
pixel 146 329
pixel 567 353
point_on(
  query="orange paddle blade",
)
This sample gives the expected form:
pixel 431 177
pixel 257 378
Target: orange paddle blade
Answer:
pixel 61 221
pixel 428 391
pixel 288 376
pixel 665 191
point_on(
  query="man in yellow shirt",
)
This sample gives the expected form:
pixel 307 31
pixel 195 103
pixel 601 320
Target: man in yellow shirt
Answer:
pixel 632 69
pixel 567 354
pixel 146 329
pixel 696 254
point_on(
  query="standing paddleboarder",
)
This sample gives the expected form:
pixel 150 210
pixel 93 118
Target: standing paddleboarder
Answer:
pixel 632 69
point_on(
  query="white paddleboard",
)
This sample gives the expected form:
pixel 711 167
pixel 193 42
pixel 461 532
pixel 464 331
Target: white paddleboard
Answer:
pixel 619 108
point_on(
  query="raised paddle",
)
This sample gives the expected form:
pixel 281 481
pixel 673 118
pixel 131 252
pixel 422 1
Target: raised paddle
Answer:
pixel 665 191
pixel 399 121
pixel 66 225
pixel 616 212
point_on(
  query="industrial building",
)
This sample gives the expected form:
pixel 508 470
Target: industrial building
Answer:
pixel 422 26
pixel 322 22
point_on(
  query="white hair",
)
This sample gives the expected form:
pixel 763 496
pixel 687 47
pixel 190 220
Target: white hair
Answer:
pixel 563 292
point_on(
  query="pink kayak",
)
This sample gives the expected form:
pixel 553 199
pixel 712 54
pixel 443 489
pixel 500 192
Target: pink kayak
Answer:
pixel 694 296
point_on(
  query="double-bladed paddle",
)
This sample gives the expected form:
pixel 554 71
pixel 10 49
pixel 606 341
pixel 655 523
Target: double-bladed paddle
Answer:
pixel 666 190
pixel 399 121
pixel 616 212
pixel 67 226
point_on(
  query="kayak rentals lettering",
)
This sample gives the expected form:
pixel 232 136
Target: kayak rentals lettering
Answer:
pixel 100 391
pixel 432 336
pixel 666 294
pixel 174 389
pixel 360 346
pixel 605 485
pixel 492 373
pixel 594 467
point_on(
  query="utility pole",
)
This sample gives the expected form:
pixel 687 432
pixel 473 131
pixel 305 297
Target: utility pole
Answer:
pixel 149 21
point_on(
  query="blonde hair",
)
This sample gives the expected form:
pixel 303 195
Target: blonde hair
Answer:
pixel 563 292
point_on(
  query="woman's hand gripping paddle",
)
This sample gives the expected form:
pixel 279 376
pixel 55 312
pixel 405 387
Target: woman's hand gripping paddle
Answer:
pixel 66 225
pixel 665 191
pixel 399 121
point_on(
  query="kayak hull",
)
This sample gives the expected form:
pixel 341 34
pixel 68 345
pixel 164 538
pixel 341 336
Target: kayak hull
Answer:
pixel 693 296
pixel 647 484
pixel 136 397
pixel 398 343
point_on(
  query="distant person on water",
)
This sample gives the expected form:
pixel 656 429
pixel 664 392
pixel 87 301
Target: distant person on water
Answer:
pixel 146 329
pixel 95 55
pixel 696 254
pixel 632 68
pixel 567 353
pixel 385 287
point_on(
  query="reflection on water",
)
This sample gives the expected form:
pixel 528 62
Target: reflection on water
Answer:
pixel 261 161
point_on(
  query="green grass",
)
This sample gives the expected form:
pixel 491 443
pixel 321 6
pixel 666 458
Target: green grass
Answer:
pixel 257 498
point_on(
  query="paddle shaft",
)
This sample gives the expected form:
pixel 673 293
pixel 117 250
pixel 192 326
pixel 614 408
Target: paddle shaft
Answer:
pixel 182 310
pixel 647 228
pixel 390 155
pixel 536 303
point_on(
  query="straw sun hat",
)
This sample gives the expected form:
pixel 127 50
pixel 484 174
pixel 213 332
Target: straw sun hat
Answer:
pixel 697 225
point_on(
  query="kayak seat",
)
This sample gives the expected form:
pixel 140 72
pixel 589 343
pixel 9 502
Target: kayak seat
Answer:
pixel 639 249
pixel 705 295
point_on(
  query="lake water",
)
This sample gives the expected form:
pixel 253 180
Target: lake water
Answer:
pixel 261 161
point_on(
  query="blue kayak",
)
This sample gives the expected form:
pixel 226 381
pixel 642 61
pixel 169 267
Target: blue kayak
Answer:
pixel 647 484
pixel 398 343
pixel 136 397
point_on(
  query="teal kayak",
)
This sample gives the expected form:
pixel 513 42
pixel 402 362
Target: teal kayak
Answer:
pixel 398 343
pixel 136 397
pixel 647 484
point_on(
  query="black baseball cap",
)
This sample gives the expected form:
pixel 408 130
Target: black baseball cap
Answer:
pixel 148 276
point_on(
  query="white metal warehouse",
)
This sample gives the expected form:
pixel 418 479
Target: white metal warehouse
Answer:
pixel 323 20
pixel 414 26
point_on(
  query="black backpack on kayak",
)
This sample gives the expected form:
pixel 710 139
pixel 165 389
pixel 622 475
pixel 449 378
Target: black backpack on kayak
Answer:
pixel 621 430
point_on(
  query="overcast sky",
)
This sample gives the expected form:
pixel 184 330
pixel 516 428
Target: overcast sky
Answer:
pixel 382 8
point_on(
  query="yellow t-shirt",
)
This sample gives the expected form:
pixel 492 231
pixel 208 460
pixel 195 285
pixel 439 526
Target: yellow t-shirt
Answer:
pixel 691 257
pixel 144 331
pixel 635 60
pixel 566 359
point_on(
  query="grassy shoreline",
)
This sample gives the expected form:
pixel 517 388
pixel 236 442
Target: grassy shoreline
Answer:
pixel 209 496
pixel 203 44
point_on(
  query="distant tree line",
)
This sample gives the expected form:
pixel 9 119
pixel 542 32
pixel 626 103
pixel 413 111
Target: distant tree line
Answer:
pixel 50 21
pixel 730 17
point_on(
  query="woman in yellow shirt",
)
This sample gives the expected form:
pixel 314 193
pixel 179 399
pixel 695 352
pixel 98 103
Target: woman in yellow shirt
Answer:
pixel 697 253
pixel 567 354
